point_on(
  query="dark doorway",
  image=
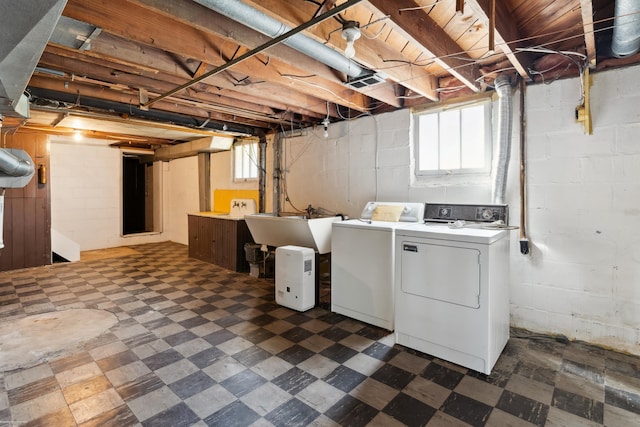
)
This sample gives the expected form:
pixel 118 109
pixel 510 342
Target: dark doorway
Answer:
pixel 134 200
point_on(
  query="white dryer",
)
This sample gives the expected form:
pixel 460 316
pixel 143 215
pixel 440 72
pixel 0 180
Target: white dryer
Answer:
pixel 362 263
pixel 452 296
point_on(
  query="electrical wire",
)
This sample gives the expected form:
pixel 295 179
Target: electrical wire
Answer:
pixel 475 62
pixel 285 192
pixel 411 9
pixel 346 101
pixel 350 118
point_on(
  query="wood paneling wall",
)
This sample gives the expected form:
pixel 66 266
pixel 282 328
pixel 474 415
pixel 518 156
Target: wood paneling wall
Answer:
pixel 27 211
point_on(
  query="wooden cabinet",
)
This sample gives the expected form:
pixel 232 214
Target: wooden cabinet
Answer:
pixel 219 241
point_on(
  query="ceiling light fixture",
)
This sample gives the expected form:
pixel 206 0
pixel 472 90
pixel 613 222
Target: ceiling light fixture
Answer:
pixel 351 33
pixel 77 135
pixel 325 124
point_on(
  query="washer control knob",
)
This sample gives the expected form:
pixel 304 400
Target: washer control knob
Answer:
pixel 487 214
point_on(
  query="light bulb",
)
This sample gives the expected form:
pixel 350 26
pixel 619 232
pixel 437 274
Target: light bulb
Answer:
pixel 349 51
pixel 77 135
pixel 351 33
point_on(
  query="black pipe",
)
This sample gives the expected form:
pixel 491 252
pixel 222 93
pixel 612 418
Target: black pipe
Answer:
pixel 262 171
pixel 132 111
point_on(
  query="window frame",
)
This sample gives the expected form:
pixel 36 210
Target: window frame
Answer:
pixel 487 102
pixel 252 155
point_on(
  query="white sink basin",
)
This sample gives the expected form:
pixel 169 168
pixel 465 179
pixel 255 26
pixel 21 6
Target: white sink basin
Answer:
pixel 269 229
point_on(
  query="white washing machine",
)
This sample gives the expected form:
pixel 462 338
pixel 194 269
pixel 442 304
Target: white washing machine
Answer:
pixel 452 296
pixel 362 262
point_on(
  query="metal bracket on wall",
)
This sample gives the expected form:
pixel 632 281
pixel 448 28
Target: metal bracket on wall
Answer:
pixel 583 111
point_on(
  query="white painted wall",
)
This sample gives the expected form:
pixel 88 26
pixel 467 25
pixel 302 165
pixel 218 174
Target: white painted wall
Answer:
pixel 86 202
pixel 366 159
pixel 180 196
pixel 582 276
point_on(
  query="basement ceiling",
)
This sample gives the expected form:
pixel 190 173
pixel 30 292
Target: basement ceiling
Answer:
pixel 191 65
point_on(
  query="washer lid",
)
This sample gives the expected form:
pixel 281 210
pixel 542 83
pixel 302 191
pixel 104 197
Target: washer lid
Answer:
pixel 368 224
pixel 444 232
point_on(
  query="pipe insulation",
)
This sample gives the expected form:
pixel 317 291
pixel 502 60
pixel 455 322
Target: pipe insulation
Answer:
pixel 626 28
pixel 256 20
pixel 501 164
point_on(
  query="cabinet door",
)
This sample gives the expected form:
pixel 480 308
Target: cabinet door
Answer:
pixel 200 238
pixel 223 237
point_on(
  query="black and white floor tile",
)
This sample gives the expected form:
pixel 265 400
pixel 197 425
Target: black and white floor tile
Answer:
pixel 199 345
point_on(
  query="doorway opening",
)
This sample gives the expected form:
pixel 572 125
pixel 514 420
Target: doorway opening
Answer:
pixel 140 195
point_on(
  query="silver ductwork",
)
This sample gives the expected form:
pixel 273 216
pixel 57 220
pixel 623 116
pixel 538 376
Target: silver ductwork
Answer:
pixel 501 163
pixel 626 28
pixel 25 28
pixel 16 170
pixel 14 163
pixel 256 20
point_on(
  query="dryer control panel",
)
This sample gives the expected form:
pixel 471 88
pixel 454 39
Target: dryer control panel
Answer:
pixel 440 212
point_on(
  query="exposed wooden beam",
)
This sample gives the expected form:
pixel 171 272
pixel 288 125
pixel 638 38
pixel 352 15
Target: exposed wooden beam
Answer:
pixel 136 23
pixel 98 75
pixel 421 29
pixel 492 26
pixel 207 21
pixel 202 68
pixel 506 33
pixel 372 53
pixel 77 63
pixel 586 7
pixel 109 51
pixel 123 96
pixel 326 5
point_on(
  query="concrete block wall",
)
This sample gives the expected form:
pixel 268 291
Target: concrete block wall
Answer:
pixel 582 278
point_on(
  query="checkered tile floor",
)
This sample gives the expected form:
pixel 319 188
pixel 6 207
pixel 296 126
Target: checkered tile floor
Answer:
pixel 200 345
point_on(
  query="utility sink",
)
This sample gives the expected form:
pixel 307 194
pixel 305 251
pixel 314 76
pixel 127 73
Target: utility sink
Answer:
pixel 238 209
pixel 273 230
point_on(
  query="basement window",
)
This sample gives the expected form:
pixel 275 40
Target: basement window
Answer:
pixel 453 140
pixel 245 156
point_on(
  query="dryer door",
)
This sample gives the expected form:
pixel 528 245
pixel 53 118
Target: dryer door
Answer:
pixel 440 271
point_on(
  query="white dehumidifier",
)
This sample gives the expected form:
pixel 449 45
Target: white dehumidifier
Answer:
pixel 295 277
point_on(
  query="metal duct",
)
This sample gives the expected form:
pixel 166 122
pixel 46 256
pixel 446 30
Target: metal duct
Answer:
pixel 25 28
pixel 256 20
pixel 503 89
pixel 13 165
pixel 626 28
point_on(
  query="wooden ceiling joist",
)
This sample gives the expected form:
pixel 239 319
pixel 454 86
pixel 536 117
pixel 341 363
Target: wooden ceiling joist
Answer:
pixel 370 52
pixel 506 33
pixel 417 26
pixel 137 24
pixel 586 7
